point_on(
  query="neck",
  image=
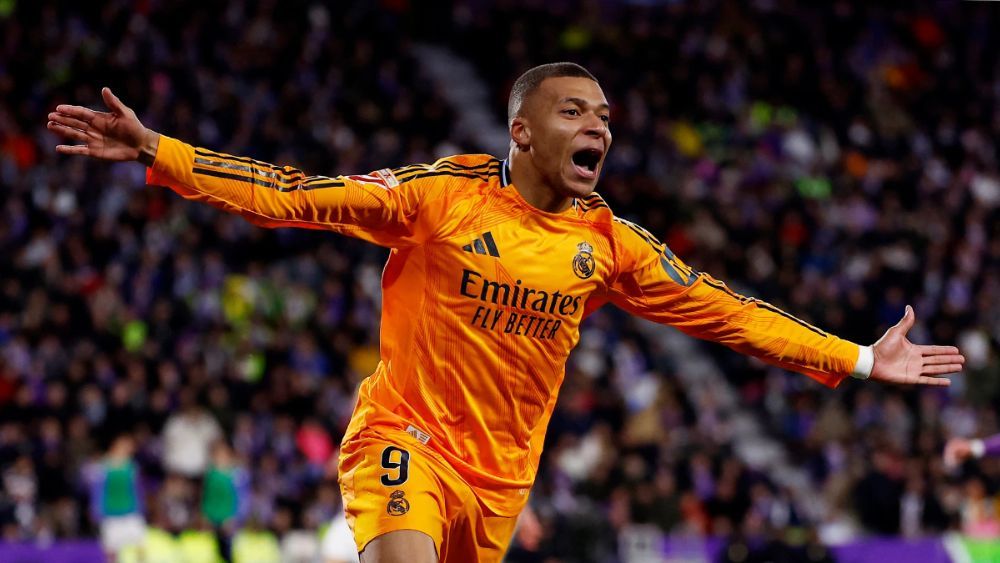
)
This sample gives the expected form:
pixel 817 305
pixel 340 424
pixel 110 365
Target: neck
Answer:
pixel 532 186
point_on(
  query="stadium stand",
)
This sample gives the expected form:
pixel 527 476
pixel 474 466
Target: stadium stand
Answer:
pixel 837 160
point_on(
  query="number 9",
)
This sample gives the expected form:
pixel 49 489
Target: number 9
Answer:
pixel 401 465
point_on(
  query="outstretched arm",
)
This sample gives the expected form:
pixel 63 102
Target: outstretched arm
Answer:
pixel 379 207
pixel 655 284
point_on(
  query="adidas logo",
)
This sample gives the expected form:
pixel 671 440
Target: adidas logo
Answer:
pixel 484 245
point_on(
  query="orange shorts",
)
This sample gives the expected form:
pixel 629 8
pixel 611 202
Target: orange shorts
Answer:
pixel 397 483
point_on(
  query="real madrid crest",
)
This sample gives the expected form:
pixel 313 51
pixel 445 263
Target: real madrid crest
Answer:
pixel 398 505
pixel 583 262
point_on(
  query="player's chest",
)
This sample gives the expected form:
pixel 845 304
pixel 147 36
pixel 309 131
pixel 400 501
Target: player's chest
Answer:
pixel 526 264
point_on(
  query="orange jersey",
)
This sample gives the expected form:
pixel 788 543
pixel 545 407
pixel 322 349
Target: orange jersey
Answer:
pixel 484 295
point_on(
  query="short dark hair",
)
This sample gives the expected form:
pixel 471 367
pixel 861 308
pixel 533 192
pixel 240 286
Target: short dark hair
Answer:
pixel 530 80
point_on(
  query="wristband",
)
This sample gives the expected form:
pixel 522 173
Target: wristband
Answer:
pixel 866 361
pixel 977 447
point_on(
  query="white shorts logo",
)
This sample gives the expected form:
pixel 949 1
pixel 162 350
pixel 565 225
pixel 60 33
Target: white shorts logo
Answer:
pixel 419 434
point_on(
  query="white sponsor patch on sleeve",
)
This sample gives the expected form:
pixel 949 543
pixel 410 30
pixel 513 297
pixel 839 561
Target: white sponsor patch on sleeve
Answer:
pixel 388 178
pixel 383 177
pixel 419 434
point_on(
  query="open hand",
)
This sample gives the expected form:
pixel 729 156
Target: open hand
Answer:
pixel 897 360
pixel 117 135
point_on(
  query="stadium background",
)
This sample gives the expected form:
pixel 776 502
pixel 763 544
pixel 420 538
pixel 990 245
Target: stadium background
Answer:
pixel 838 160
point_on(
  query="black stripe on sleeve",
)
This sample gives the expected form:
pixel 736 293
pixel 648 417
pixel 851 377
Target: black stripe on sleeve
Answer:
pixel 764 305
pixel 474 176
pixel 587 206
pixel 722 287
pixel 484 170
pixel 221 164
pixel 445 164
pixel 265 183
pixel 804 324
pixel 321 185
pixel 238 178
pixel 261 166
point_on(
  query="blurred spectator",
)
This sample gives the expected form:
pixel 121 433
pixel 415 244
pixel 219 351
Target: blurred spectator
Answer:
pixel 198 546
pixel 314 442
pixel 188 437
pixel 225 494
pixel 880 493
pixel 979 511
pixel 21 488
pixel 116 499
pixel 301 545
pixel 254 544
pixel 337 543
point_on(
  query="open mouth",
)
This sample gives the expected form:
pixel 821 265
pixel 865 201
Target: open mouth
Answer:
pixel 586 162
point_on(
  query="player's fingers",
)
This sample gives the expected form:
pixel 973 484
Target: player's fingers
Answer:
pixel 68 121
pixel 934 350
pixel 944 359
pixel 933 381
pixel 941 369
pixel 73 149
pixel 112 101
pixel 83 114
pixel 68 132
pixel 906 323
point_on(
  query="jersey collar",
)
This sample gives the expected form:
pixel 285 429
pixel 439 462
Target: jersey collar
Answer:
pixel 505 180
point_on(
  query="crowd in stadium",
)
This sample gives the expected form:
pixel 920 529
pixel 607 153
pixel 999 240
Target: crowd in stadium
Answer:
pixel 836 160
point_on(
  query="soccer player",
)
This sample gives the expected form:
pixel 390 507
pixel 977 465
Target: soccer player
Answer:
pixel 116 501
pixel 493 265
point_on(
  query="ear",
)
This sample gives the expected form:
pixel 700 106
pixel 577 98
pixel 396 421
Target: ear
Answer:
pixel 520 133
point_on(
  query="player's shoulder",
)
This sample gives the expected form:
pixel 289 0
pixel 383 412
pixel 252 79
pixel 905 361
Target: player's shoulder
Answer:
pixel 628 240
pixel 593 208
pixel 626 235
pixel 632 235
pixel 483 167
pixel 470 160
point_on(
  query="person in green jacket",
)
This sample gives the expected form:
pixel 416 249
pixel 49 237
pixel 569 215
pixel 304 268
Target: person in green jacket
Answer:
pixel 116 499
pixel 225 494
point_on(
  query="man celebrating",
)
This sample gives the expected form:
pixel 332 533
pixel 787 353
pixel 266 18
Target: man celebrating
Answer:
pixel 494 264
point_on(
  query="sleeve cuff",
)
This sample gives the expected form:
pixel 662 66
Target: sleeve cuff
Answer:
pixel 977 447
pixel 170 162
pixel 866 361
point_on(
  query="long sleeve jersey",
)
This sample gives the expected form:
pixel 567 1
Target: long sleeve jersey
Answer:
pixel 483 296
pixel 986 447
